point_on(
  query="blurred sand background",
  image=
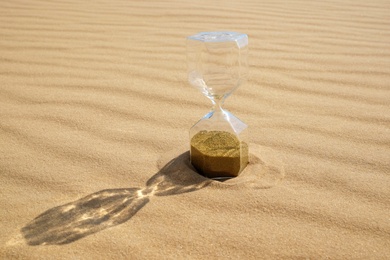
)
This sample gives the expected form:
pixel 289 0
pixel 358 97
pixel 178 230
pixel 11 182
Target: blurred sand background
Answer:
pixel 95 103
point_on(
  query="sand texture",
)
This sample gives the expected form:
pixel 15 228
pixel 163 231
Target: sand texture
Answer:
pixel 95 112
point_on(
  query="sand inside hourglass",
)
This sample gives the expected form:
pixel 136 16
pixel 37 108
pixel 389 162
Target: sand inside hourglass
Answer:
pixel 216 153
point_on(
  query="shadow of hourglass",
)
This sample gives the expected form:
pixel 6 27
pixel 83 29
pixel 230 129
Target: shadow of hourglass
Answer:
pixel 107 208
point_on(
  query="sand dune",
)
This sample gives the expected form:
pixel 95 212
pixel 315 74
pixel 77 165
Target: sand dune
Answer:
pixel 95 110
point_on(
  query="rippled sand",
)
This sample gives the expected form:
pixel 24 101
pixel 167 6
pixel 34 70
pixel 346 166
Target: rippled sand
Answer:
pixel 95 110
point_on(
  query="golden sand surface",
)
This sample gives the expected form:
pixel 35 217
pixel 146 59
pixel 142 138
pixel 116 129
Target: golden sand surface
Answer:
pixel 217 154
pixel 95 105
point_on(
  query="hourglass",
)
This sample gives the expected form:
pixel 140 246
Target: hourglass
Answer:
pixel 217 65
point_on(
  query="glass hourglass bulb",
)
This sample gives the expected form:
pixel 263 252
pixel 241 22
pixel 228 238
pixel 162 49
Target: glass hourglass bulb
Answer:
pixel 217 65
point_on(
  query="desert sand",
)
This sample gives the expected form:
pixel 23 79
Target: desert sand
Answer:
pixel 95 110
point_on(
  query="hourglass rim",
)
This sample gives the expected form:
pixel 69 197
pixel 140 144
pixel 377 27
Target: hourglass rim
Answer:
pixel 241 39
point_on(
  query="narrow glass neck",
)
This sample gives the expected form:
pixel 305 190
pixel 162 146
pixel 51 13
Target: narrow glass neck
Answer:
pixel 217 103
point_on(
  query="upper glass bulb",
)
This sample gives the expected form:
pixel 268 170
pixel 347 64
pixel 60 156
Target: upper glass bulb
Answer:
pixel 217 62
